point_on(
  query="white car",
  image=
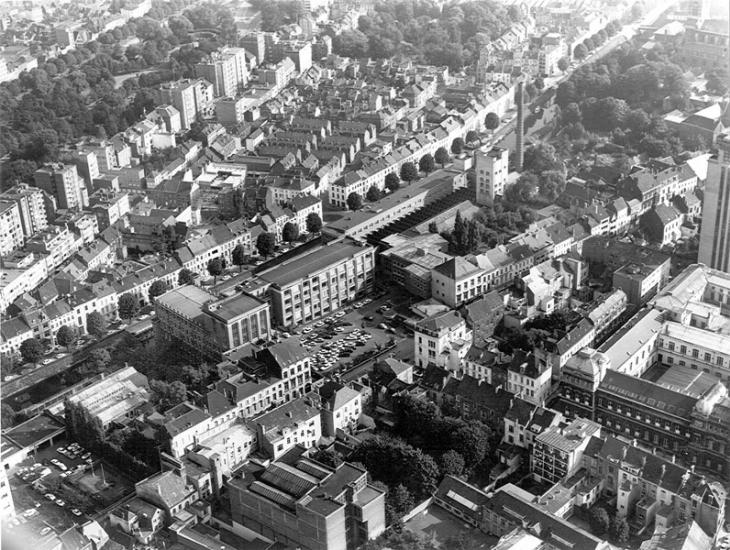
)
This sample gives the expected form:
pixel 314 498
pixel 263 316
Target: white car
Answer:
pixel 47 361
pixel 58 464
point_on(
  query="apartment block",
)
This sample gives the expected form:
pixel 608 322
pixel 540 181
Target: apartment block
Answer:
pixel 341 408
pixel 226 70
pixel 320 282
pixel 11 228
pixel 558 451
pixel 297 422
pixel 31 207
pixel 442 339
pixel 189 97
pixel 62 181
pixel 457 281
pixel 269 378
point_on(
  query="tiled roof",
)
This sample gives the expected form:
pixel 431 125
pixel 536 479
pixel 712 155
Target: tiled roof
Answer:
pixel 169 487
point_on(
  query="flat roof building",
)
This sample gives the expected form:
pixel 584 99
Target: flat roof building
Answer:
pixel 208 324
pixel 322 281
pixel 302 503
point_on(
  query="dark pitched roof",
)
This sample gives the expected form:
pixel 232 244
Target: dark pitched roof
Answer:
pixel 284 353
pixel 648 394
pixel 520 411
pixel 456 268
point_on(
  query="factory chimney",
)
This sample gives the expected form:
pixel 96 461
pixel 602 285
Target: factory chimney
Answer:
pixel 520 130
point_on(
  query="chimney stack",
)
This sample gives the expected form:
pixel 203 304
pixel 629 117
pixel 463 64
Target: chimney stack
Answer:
pixel 520 130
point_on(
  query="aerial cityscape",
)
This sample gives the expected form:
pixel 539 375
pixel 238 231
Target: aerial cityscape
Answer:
pixel 365 274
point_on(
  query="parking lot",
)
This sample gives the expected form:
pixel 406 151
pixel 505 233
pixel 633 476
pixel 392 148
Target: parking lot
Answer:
pixel 353 334
pixel 47 496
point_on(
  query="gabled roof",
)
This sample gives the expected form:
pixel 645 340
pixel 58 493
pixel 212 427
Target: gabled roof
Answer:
pixel 170 488
pixel 440 321
pixel 285 353
pixel 457 268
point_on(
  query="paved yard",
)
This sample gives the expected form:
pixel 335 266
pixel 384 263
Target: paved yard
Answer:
pixel 439 526
pixel 84 490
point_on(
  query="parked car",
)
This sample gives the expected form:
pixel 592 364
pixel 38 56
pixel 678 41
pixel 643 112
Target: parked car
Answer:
pixel 45 531
pixel 50 496
pixel 60 503
pixel 58 464
pixel 75 511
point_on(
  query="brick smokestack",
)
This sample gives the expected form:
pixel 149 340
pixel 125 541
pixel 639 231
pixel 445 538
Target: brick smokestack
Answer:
pixel 520 130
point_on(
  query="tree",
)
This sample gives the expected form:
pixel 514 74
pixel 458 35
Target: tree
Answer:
pixel 563 64
pixel 95 324
pixel 473 237
pixel 351 44
pixel 158 288
pixel 168 394
pixel 539 83
pixel 408 172
pixel 571 114
pixel 314 222
pixel 31 350
pixel 620 530
pixel 469 439
pixel 373 194
pixel 552 184
pixel 354 201
pixel 427 163
pixel 637 121
pixel 399 502
pixel 100 358
pixel 524 189
pixel 290 232
pixel 265 244
pixel 452 463
pixel 392 181
pixel 458 234
pixel 7 416
pixel 580 52
pixel 442 156
pixel 540 158
pixel 433 227
pixel 128 306
pixel 330 457
pixel 457 146
pixel 599 521
pixel 215 267
pixel 65 336
pixel 394 462
pixel 185 277
pixel 491 121
pixel 238 255
pixel 180 26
